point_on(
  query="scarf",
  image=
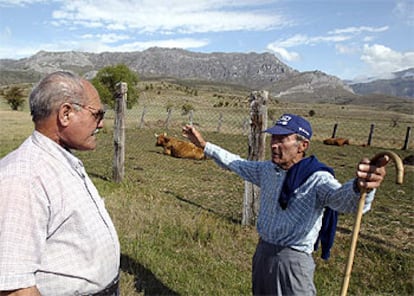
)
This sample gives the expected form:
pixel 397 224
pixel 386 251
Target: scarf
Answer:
pixel 295 177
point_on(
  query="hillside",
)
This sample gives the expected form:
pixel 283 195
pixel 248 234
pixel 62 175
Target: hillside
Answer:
pixel 401 85
pixel 252 71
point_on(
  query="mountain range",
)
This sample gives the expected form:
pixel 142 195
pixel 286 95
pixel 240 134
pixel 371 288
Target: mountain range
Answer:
pixel 254 71
pixel 401 84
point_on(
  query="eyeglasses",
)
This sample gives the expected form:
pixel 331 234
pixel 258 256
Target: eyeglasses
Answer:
pixel 97 113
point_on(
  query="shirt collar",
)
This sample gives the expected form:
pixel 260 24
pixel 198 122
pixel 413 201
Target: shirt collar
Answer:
pixel 57 151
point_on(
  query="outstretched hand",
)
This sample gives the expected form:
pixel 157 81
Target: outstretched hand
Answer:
pixel 370 175
pixel 194 136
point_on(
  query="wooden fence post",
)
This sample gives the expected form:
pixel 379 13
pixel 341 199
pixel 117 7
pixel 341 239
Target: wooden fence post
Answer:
pixel 371 132
pixel 118 169
pixel 407 138
pixel 167 121
pixel 245 126
pixel 257 142
pixel 220 122
pixel 190 117
pixel 142 122
pixel 334 130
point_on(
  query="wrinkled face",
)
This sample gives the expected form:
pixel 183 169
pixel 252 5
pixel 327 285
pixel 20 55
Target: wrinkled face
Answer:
pixel 287 150
pixel 84 121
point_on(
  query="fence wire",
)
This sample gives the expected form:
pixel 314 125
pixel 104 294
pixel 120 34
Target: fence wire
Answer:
pixel 391 131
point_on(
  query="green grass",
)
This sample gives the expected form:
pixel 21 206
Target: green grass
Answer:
pixel 179 224
pixel 179 220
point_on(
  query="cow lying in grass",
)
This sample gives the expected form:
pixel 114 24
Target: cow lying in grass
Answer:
pixel 178 148
pixel 336 141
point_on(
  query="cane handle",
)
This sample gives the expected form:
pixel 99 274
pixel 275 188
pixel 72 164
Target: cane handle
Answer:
pixel 398 164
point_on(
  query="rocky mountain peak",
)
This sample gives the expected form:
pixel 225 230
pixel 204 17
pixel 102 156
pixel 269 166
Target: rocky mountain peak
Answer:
pixel 255 71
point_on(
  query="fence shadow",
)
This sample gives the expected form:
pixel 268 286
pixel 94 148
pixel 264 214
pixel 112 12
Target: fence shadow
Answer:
pixel 380 243
pixel 100 176
pixel 144 280
pixel 182 199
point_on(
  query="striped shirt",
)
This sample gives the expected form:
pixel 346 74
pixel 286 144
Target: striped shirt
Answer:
pixel 55 232
pixel 299 224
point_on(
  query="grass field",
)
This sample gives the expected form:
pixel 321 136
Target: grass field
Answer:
pixel 179 220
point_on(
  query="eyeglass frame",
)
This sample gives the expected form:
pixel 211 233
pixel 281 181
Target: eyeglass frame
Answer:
pixel 99 114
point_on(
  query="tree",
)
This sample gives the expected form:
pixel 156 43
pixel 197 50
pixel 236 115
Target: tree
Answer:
pixel 14 97
pixel 106 80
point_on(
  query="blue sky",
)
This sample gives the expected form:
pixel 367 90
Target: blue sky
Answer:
pixel 346 38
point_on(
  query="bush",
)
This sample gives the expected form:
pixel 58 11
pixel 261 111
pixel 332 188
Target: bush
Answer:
pixel 14 97
pixel 186 108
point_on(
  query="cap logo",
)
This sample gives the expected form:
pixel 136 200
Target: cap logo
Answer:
pixel 284 120
pixel 304 131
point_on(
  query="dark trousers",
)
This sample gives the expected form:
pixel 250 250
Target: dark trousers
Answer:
pixel 282 271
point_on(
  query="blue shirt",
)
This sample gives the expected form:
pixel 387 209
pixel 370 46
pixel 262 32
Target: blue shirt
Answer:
pixel 299 224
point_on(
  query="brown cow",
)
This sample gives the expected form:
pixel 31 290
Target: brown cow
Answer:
pixel 336 141
pixel 178 148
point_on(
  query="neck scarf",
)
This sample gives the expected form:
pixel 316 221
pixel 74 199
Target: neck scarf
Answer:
pixel 295 177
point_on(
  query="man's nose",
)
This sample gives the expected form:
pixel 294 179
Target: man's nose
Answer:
pixel 101 123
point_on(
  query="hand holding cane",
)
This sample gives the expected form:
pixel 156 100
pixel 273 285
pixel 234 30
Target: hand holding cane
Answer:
pixel 357 225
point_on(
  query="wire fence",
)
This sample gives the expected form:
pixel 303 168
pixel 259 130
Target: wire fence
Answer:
pixel 383 130
pixel 388 131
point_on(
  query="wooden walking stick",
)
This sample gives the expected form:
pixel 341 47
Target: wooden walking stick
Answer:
pixel 357 225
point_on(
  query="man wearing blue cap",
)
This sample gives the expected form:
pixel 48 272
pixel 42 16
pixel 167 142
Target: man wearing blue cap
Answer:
pixel 295 191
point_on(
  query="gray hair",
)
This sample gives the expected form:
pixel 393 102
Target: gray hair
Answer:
pixel 52 91
pixel 300 138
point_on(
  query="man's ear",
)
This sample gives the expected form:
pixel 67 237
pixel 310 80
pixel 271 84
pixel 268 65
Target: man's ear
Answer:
pixel 64 114
pixel 303 146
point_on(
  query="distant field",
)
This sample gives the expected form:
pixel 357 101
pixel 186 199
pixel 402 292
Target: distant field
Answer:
pixel 179 220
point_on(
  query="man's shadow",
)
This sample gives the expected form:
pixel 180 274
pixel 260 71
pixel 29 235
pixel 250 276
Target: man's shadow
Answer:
pixel 145 281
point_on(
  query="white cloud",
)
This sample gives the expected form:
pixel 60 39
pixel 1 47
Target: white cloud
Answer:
pixel 368 38
pixel 20 51
pixel 96 44
pixel 106 38
pixel 346 49
pixel 6 33
pixel 345 41
pixel 279 47
pixel 185 43
pixel 9 3
pixel 167 16
pixel 404 11
pixel 295 40
pixel 381 59
pixel 334 36
pixel 358 30
pixel 283 53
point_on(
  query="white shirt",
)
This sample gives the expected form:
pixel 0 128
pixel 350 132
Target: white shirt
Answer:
pixel 55 232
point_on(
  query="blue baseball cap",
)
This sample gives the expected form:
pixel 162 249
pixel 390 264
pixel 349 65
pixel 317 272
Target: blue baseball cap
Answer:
pixel 291 124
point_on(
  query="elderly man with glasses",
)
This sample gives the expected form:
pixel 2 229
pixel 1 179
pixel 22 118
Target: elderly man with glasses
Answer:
pixel 56 237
